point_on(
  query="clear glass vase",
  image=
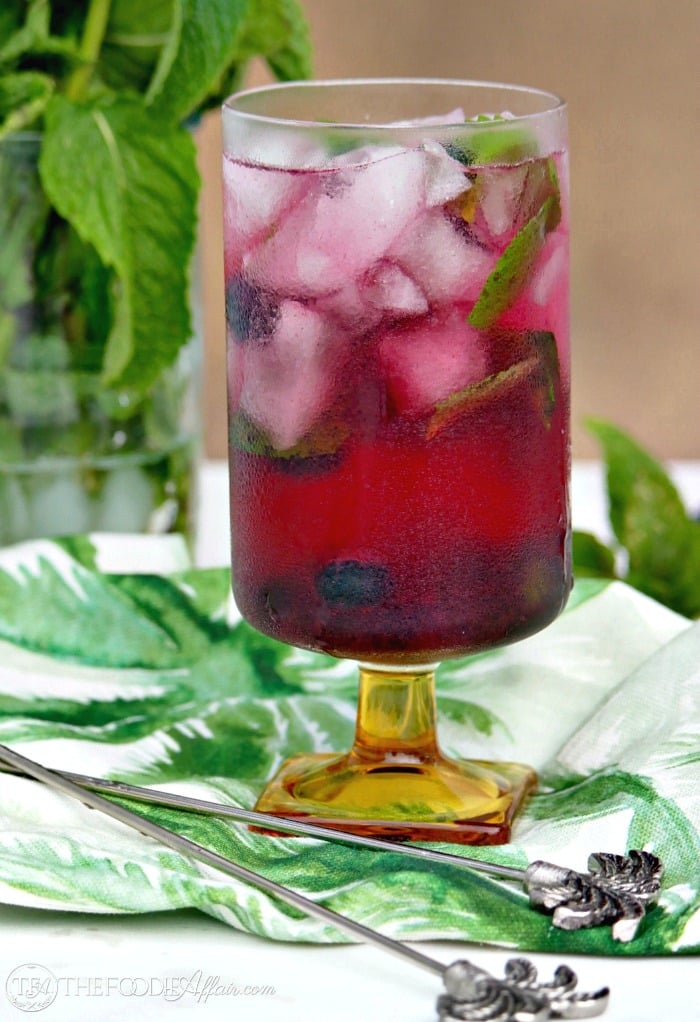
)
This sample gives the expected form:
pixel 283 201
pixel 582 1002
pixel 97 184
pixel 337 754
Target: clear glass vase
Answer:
pixel 77 455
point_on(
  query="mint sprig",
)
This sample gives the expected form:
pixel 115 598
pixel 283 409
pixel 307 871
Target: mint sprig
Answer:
pixel 539 363
pixel 652 527
pixel 111 86
pixel 513 269
pixel 454 407
pixel 325 438
pixel 497 139
pixel 139 231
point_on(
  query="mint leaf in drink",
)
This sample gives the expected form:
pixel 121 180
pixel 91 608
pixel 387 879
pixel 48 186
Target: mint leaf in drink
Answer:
pixel 537 360
pixel 544 343
pixel 127 183
pixel 462 401
pixel 498 139
pixel 541 183
pixel 650 521
pixel 511 272
pixel 326 438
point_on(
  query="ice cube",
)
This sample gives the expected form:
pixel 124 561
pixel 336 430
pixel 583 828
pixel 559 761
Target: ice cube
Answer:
pixel 425 363
pixel 550 292
pixel 500 191
pixel 445 177
pixel 550 271
pixel 351 309
pixel 390 289
pixel 255 198
pixel 544 303
pixel 365 154
pixel 289 381
pixel 337 234
pixel 279 146
pixel 445 264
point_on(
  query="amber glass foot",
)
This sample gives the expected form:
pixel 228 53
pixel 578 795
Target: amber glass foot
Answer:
pixel 395 782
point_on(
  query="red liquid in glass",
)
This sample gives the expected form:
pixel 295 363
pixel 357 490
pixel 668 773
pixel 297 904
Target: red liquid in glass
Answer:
pixel 399 488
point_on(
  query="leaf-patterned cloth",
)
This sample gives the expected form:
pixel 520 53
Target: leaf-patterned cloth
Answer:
pixel 118 659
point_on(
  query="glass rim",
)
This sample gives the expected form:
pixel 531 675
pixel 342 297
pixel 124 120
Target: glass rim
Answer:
pixel 230 107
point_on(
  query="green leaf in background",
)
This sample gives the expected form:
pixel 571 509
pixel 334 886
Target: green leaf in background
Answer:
pixel 650 521
pixel 17 35
pixel 25 32
pixel 11 13
pixel 100 245
pixel 23 97
pixel 128 185
pixel 199 53
pixel 277 29
pixel 138 39
pixel 22 216
pixel 204 59
pixel 592 559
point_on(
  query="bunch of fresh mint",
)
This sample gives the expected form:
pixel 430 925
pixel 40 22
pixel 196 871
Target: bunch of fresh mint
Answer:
pixel 658 541
pixel 111 88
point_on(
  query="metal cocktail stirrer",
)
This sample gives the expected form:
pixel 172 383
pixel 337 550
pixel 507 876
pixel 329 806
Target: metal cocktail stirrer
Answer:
pixel 617 890
pixel 472 994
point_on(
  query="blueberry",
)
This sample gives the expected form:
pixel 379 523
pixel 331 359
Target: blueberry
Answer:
pixel 250 311
pixel 353 583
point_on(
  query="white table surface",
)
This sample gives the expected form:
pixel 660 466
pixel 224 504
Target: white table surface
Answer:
pixel 115 967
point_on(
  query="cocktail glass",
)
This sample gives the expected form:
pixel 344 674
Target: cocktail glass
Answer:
pixel 396 259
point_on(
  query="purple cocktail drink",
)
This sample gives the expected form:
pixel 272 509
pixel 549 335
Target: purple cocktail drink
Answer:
pixel 397 309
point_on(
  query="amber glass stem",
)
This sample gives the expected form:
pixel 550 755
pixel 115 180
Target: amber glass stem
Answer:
pixel 396 716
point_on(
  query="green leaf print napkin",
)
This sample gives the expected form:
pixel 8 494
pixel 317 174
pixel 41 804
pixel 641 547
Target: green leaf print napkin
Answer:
pixel 119 659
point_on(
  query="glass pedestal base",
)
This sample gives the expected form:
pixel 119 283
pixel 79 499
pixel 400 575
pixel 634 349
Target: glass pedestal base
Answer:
pixel 395 782
pixel 470 802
